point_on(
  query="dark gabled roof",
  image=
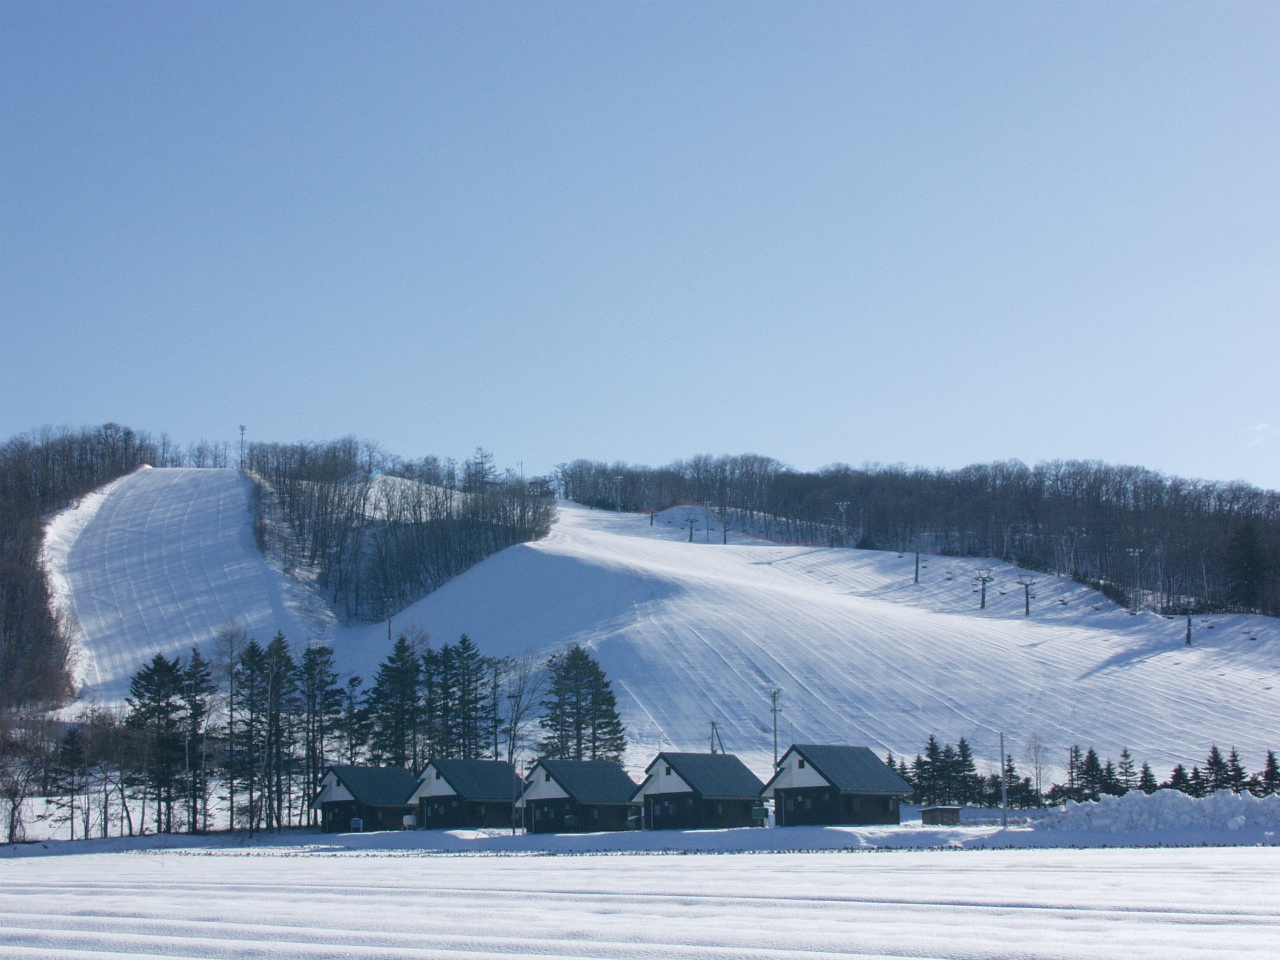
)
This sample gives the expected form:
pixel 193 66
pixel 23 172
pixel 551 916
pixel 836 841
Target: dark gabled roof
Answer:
pixel 713 775
pixel 591 781
pixel 377 786
pixel 480 779
pixel 853 769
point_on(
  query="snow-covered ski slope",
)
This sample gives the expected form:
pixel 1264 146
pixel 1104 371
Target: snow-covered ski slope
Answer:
pixel 159 561
pixel 696 632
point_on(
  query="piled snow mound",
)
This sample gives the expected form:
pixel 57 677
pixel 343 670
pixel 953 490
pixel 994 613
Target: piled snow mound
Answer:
pixel 1167 810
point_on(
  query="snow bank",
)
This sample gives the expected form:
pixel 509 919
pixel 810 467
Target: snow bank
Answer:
pixel 1167 810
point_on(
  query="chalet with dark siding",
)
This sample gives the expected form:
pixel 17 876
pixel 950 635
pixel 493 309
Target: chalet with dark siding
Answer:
pixel 364 798
pixel 466 794
pixel 691 791
pixel 828 785
pixel 578 796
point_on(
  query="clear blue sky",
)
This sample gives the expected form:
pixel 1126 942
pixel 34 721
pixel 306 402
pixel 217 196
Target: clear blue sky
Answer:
pixel 931 234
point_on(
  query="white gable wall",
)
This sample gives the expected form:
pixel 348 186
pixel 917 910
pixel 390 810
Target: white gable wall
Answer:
pixel 792 775
pixel 541 788
pixel 659 781
pixel 331 791
pixel 431 784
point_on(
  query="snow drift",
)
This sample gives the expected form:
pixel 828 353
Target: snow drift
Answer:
pixel 1167 811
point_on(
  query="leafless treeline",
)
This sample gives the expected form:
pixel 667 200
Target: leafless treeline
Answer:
pixel 379 533
pixel 1204 545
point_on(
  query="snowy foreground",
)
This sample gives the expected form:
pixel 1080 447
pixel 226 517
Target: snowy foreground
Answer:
pixel 696 632
pixel 287 902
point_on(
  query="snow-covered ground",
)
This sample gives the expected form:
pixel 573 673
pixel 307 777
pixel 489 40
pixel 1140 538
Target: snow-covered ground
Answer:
pixel 299 902
pixel 695 632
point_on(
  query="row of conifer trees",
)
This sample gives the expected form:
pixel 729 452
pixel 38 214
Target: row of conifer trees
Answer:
pixel 946 774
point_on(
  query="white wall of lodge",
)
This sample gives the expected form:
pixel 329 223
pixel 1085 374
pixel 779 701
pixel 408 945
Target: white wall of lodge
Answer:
pixel 794 772
pixel 662 779
pixel 541 787
pixel 331 791
pixel 432 784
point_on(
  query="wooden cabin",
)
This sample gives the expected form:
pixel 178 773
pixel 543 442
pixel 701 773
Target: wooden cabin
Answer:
pixel 364 798
pixel 466 794
pixel 829 785
pixel 692 791
pixel 578 796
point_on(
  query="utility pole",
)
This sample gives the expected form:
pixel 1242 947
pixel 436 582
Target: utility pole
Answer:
pixel 774 694
pixel 707 511
pixel 1136 553
pixel 242 429
pixel 1004 786
pixel 1188 643
pixel 917 566
pixel 715 737
pixel 842 506
pixel 617 492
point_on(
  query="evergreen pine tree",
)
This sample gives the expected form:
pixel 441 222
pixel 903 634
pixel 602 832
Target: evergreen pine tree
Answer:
pixel 1125 773
pixel 1178 780
pixel 1110 779
pixel 156 709
pixel 1216 774
pixel 1090 775
pixel 966 772
pixel 395 705
pixel 1271 774
pixel 353 722
pixel 930 788
pixel 1147 780
pixel 608 738
pixel 580 713
pixel 1236 773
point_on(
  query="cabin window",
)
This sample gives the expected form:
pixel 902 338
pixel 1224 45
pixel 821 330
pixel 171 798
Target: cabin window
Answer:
pixel 791 804
pixel 438 777
pixel 546 776
pixel 480 810
pixel 800 762
pixel 595 813
pixel 719 809
pixel 668 770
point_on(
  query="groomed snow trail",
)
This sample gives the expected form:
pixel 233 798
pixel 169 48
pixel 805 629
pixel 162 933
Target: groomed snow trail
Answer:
pixel 163 561
pixel 1064 904
pixel 695 632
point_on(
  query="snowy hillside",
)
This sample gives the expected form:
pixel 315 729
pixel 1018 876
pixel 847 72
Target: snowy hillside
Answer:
pixel 160 560
pixel 695 632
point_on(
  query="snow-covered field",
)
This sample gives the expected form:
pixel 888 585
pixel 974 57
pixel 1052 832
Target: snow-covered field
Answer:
pixel 695 632
pixel 301 902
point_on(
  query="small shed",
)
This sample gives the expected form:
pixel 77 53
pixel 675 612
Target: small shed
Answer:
pixel 363 798
pixel 690 791
pixel 578 796
pixel 818 784
pixel 466 794
pixel 940 816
